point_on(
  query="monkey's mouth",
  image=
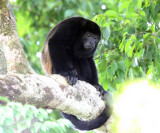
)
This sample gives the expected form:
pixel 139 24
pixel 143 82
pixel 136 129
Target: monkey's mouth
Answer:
pixel 88 47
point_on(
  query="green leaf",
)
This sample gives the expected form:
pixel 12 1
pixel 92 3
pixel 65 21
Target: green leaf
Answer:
pixel 131 75
pixel 121 76
pixel 102 66
pixel 146 35
pixel 121 65
pixel 124 5
pixel 149 72
pixel 149 55
pixel 69 13
pixel 142 13
pixel 4 99
pixel 8 121
pixel 111 14
pixel 127 45
pixel 106 33
pixel 121 46
pixel 130 8
pixel 153 28
pixel 112 56
pixel 114 67
pixel 134 2
pixel 131 30
pixel 139 4
pixel 130 53
pixel 141 53
pixel 111 70
pixel 144 25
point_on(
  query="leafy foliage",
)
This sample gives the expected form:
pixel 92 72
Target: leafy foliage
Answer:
pixel 16 118
pixel 130 45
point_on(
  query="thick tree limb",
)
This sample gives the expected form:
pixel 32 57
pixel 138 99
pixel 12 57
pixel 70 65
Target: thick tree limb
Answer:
pixel 53 92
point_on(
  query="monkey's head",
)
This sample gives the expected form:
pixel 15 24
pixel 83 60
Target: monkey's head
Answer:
pixel 89 38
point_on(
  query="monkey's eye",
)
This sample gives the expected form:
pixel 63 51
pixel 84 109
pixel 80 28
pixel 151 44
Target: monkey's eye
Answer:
pixel 95 38
pixel 88 34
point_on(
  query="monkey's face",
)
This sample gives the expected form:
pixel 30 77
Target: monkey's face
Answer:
pixel 86 45
pixel 90 41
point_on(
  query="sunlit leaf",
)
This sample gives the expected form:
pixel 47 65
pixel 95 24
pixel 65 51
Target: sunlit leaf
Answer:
pixel 112 13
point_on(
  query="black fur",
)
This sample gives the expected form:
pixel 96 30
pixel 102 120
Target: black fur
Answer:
pixel 71 45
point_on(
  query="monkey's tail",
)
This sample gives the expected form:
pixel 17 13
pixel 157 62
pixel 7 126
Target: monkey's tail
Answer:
pixel 96 123
pixel 87 125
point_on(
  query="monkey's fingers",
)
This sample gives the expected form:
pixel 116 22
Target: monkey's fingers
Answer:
pixel 72 80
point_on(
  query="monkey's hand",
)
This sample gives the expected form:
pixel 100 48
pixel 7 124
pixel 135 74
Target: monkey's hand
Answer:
pixel 100 89
pixel 71 76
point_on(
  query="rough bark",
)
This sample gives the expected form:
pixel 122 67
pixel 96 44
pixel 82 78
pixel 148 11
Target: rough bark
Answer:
pixel 3 65
pixel 52 92
pixel 13 51
pixel 23 85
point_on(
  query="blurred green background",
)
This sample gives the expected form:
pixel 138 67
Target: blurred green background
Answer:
pixel 129 48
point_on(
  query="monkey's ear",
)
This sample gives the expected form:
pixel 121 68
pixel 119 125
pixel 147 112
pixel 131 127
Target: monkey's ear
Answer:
pixel 83 23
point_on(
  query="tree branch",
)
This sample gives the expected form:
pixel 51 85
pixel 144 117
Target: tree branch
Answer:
pixel 52 92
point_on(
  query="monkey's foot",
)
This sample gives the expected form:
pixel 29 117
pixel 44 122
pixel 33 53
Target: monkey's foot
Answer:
pixel 100 89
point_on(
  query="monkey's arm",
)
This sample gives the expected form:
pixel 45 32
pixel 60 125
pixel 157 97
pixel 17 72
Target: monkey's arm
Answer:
pixel 95 80
pixel 62 62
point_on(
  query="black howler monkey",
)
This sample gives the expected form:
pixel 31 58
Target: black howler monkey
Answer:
pixel 68 51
